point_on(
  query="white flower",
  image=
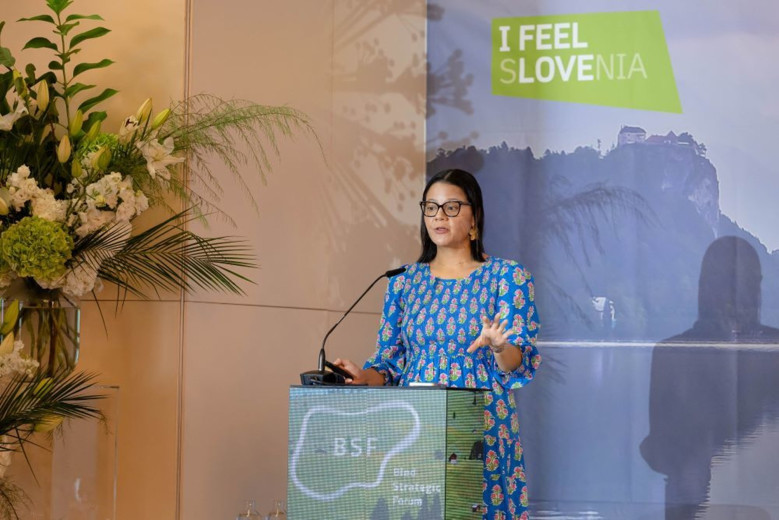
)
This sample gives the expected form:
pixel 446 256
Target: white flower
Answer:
pixel 93 219
pixel 13 363
pixel 56 283
pixel 111 199
pixel 104 192
pixel 7 121
pixel 127 129
pixel 141 202
pixel 22 193
pixel 133 202
pixel 125 211
pixel 21 174
pixel 158 156
pixel 21 187
pixel 89 159
pixel 80 280
pixel 72 220
pixel 45 206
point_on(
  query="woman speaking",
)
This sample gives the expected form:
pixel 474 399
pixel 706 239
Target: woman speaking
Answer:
pixel 461 318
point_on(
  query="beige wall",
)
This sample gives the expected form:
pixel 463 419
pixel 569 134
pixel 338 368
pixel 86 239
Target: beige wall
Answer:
pixel 204 380
pixel 325 229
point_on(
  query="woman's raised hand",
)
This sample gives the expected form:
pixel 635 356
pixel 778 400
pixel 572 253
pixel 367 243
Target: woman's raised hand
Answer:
pixel 493 335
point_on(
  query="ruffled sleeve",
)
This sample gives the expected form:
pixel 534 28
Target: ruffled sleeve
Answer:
pixel 516 303
pixel 390 356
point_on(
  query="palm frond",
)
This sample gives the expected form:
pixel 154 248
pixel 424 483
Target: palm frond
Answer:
pixel 101 245
pixel 27 402
pixel 580 215
pixel 11 497
pixel 170 257
pixel 238 132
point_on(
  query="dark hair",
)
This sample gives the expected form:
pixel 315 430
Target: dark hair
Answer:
pixel 729 285
pixel 466 182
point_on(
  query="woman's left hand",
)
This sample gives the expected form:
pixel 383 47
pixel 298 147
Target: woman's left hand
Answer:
pixel 493 335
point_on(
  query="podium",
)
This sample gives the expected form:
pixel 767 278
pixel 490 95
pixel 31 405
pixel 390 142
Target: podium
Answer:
pixel 385 453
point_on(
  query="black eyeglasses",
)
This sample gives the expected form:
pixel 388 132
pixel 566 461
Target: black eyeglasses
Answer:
pixel 451 207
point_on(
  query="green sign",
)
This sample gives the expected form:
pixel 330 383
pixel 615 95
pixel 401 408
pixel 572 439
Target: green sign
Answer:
pixel 358 453
pixel 612 59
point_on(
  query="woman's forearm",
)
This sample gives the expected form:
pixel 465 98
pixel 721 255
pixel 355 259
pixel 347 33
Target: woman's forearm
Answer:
pixel 372 377
pixel 508 359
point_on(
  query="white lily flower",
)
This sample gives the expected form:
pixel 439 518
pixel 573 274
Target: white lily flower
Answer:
pixel 158 156
pixel 7 121
pixel 127 129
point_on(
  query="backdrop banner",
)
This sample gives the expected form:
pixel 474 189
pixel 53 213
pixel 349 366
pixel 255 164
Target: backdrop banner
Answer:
pixel 624 151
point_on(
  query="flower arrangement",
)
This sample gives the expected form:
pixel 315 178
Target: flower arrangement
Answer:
pixel 71 191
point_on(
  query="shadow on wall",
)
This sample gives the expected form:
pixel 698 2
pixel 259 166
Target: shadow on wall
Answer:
pixel 378 108
pixel 712 389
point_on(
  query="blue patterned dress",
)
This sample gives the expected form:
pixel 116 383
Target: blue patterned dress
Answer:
pixel 426 326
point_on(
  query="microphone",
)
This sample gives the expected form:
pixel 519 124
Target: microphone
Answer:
pixel 336 375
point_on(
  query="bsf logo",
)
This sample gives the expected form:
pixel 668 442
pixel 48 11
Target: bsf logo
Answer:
pixel 353 446
pixel 323 458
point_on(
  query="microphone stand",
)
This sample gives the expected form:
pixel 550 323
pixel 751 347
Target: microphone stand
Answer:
pixel 337 375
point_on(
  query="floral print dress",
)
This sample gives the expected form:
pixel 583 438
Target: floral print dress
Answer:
pixel 426 326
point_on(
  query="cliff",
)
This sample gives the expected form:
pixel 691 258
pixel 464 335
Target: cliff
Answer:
pixel 614 240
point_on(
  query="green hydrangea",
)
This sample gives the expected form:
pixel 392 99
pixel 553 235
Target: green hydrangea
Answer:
pixel 110 141
pixel 36 247
pixel 87 147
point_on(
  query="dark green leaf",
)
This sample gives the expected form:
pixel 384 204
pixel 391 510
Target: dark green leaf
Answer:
pixel 97 32
pixel 58 5
pixel 40 43
pixel 6 58
pixel 72 17
pixel 75 88
pixel 39 18
pixel 65 28
pixel 169 257
pixel 55 65
pixel 26 402
pixel 89 103
pixel 50 78
pixel 30 71
pixel 67 55
pixel 5 83
pixel 92 118
pixel 83 67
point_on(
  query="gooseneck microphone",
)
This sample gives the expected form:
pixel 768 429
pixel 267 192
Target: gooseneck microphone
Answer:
pixel 336 375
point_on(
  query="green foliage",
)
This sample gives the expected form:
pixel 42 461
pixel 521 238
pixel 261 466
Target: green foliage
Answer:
pixel 70 192
pixel 237 132
pixel 167 256
pixel 36 247
pixel 30 403
pixel 52 126
pixel 39 404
